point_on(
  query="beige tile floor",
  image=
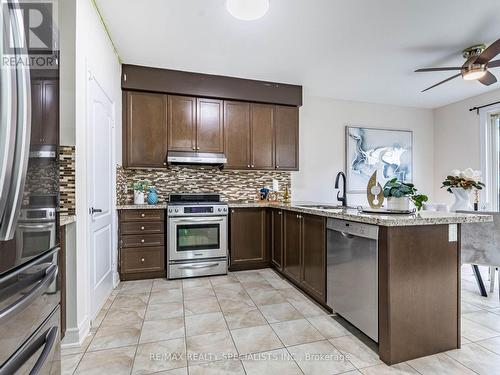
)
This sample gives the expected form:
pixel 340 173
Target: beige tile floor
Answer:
pixel 254 322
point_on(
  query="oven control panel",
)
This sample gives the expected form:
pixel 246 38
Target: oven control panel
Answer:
pixel 198 210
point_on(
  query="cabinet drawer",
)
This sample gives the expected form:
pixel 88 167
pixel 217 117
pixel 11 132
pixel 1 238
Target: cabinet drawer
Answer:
pixel 142 215
pixel 133 227
pixel 138 240
pixel 142 260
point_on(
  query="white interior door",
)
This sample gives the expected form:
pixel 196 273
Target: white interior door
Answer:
pixel 100 194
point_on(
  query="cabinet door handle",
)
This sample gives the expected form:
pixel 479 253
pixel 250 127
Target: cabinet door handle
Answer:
pixel 143 260
pixel 277 166
pixel 164 163
pixel 232 211
pixel 142 215
pixel 142 228
pixel 279 212
pixel 197 148
pixel 142 241
pixel 253 166
pixel 194 148
pixel 248 166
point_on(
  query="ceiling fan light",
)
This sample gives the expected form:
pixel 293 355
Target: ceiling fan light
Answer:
pixel 247 10
pixel 474 74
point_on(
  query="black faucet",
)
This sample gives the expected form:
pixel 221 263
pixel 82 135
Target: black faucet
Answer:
pixel 342 198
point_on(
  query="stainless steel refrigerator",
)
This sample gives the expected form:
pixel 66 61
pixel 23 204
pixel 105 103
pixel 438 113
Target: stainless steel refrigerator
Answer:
pixel 29 281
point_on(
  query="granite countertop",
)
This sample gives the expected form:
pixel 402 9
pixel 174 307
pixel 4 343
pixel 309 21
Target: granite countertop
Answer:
pixel 389 220
pixel 351 214
pixel 131 206
pixel 66 219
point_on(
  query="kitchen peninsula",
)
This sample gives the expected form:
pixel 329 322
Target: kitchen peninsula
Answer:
pixel 418 266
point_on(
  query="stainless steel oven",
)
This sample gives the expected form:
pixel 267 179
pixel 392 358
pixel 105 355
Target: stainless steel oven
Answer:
pixel 197 235
pixel 36 232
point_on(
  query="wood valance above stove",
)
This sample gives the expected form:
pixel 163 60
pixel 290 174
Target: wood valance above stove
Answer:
pixel 141 78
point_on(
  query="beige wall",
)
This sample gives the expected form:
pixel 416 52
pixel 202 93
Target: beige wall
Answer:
pixel 322 143
pixel 456 135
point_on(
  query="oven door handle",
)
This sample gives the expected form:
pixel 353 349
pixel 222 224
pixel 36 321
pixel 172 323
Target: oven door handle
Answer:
pixel 199 266
pixel 199 220
pixel 23 302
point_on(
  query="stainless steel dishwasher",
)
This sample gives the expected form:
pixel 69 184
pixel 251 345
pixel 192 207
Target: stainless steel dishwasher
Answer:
pixel 352 273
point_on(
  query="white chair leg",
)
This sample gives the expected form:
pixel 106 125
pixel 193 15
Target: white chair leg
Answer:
pixel 492 279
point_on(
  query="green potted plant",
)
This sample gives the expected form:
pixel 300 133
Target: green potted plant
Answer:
pixel 399 194
pixel 139 188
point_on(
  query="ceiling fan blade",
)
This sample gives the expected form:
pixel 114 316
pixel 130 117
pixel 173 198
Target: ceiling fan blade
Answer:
pixel 487 79
pixel 489 53
pixel 446 80
pixel 438 69
pixel 494 64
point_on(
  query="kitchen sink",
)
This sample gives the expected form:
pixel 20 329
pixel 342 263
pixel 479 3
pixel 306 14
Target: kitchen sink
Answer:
pixel 322 206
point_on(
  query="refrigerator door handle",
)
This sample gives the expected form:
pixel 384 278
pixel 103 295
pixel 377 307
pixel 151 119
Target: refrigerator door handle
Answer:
pixel 23 302
pixel 47 341
pixel 23 133
pixel 8 122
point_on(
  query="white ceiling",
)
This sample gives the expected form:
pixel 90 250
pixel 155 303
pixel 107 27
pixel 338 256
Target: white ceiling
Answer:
pixel 363 50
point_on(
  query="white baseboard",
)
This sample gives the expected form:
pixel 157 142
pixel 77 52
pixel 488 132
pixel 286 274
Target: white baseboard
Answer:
pixel 74 337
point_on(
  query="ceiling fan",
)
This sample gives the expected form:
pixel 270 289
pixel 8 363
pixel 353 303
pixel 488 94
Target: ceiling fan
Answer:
pixel 478 61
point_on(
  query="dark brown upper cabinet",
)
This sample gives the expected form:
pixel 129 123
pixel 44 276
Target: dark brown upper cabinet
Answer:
pixel 145 135
pixel 45 112
pixel 262 140
pixel 237 134
pixel 195 124
pixel 286 137
pixel 249 142
pixel 181 123
pixel 209 125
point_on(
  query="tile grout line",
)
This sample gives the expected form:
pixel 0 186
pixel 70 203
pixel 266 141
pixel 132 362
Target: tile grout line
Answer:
pixel 279 338
pixel 227 325
pixel 185 328
pixel 142 325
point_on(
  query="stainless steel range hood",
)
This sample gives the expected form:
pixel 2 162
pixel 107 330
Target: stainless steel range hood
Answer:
pixel 196 158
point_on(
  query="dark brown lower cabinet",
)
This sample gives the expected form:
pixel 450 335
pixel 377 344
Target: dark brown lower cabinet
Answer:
pixel 142 244
pixel 314 255
pixel 277 238
pixel 305 252
pixel 248 247
pixel 292 245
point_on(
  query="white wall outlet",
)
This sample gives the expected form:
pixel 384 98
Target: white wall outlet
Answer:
pixel 452 233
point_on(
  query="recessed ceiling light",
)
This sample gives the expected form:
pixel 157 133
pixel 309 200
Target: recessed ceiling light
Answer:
pixel 247 10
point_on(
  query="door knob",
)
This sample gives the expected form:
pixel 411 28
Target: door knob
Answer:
pixel 93 210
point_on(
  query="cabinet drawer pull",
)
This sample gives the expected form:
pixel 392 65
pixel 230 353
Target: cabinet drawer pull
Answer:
pixel 142 241
pixel 142 215
pixel 279 212
pixel 253 166
pixel 143 260
pixel 277 166
pixel 248 166
pixel 142 228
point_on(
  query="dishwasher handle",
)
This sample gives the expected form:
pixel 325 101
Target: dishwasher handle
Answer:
pixel 351 229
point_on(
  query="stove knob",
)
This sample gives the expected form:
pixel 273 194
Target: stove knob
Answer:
pixel 225 209
pixel 176 210
pixel 170 210
pixel 219 209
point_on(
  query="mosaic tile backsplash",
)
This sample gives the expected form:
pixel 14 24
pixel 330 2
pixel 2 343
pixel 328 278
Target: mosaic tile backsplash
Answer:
pixel 67 180
pixel 232 185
